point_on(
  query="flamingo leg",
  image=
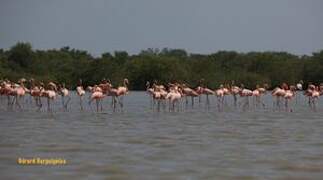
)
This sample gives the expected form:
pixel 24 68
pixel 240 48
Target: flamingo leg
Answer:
pixel 81 103
pixel 121 102
pixel 164 105
pixel 219 106
pixel 158 105
pixel 13 101
pixel 63 102
pixel 18 103
pixel 173 104
pixel 114 103
pixel 101 104
pixel 262 102
pixel 68 100
pixel 178 105
pixel 192 98
pixel 235 100
pixel 186 101
pixel 48 104
pixel 314 104
pixel 40 103
pixel 8 97
pixel 90 103
pixel 97 105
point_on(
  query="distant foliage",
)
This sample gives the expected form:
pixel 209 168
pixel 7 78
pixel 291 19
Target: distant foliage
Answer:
pixel 166 65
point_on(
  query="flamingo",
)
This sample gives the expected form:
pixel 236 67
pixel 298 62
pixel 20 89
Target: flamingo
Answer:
pixel 163 94
pixel 18 92
pixel 50 94
pixel 36 92
pixel 63 91
pixel 309 93
pixel 313 94
pixel 5 88
pixel 80 92
pixel 299 87
pixel 105 85
pixel 199 88
pixel 117 93
pixel 206 91
pixel 9 91
pixel 278 93
pixel 246 93
pixel 219 93
pixel 159 94
pixel 321 89
pixel 189 92
pixel 1 89
pixel 289 94
pixel 173 96
pixel 226 91
pixel 257 93
pixel 235 90
pixel 150 91
pixel 96 95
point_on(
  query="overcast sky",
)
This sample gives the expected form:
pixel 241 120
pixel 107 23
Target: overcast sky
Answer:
pixel 199 26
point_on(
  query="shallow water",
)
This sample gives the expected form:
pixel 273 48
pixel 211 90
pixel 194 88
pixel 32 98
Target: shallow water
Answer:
pixel 138 143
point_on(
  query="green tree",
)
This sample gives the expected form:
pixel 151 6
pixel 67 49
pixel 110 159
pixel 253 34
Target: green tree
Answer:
pixel 21 54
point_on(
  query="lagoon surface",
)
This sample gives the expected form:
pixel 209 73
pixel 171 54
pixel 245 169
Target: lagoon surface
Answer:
pixel 194 143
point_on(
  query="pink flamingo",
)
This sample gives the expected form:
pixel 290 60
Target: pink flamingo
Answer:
pixel 246 93
pixel 299 87
pixel 279 93
pixel 320 89
pixel 289 94
pixel 309 93
pixel 118 93
pixel 206 91
pixel 50 94
pixel 36 92
pixel 174 96
pixel 150 91
pixel 97 95
pixel 63 91
pixel 220 94
pixel 313 94
pixel 257 93
pixel 1 89
pixel 18 92
pixel 199 88
pixel 189 92
pixel 8 90
pixel 163 94
pixel 80 92
pixel 235 90
pixel 158 94
pixel 226 92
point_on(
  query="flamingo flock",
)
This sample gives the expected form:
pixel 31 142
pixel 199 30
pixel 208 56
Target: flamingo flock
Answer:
pixel 38 91
pixel 174 95
pixel 282 95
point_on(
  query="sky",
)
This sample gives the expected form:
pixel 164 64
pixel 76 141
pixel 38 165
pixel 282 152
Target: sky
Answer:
pixel 198 26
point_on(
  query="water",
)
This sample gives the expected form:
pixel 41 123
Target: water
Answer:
pixel 141 144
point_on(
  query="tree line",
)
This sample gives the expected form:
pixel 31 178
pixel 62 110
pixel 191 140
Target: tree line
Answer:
pixel 68 65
